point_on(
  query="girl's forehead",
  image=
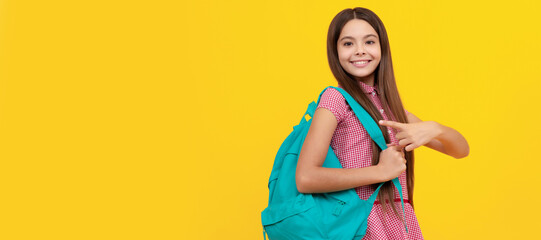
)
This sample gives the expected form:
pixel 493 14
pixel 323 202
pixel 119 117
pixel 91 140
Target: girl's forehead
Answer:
pixel 357 28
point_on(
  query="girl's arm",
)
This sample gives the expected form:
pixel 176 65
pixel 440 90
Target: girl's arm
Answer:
pixel 311 177
pixel 434 135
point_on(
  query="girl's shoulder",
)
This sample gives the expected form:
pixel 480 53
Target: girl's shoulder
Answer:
pixel 333 100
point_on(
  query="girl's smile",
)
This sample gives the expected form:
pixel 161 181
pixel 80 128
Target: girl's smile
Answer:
pixel 361 63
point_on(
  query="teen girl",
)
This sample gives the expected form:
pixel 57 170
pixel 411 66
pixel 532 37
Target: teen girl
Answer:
pixel 360 59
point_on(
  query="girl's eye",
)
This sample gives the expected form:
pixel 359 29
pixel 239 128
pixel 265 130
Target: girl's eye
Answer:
pixel 346 43
pixel 371 42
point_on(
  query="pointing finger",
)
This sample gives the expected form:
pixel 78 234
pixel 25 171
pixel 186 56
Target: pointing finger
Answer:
pixel 393 124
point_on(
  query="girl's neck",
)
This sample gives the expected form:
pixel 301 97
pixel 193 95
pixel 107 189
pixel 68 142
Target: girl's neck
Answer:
pixel 368 80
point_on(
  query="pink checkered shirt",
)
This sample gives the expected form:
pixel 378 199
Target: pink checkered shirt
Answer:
pixel 351 144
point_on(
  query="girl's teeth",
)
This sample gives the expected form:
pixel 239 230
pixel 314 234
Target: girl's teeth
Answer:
pixel 361 62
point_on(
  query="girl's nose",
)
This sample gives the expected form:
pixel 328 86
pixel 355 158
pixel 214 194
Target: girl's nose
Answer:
pixel 360 51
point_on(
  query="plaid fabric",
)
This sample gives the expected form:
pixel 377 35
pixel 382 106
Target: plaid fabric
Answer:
pixel 351 144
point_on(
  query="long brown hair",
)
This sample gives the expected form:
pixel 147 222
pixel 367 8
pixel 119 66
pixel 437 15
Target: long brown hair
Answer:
pixel 386 86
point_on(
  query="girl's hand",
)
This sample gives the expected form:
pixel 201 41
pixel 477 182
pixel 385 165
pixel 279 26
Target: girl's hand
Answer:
pixel 391 162
pixel 413 135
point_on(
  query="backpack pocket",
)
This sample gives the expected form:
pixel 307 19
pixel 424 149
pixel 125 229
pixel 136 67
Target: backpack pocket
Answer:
pixel 297 219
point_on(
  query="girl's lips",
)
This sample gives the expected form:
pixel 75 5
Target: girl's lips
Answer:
pixel 360 65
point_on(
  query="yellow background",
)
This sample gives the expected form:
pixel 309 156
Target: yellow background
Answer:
pixel 161 119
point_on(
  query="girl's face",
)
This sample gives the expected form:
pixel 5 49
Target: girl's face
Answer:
pixel 359 51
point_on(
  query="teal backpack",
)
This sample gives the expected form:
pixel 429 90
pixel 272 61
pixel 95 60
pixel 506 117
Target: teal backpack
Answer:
pixel 334 215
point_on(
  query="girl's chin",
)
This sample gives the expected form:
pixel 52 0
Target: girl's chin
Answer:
pixel 360 75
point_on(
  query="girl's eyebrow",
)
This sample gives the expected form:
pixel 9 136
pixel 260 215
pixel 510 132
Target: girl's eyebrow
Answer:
pixel 365 36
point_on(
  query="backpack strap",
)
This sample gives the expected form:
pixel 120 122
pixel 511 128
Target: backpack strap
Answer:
pixel 375 133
